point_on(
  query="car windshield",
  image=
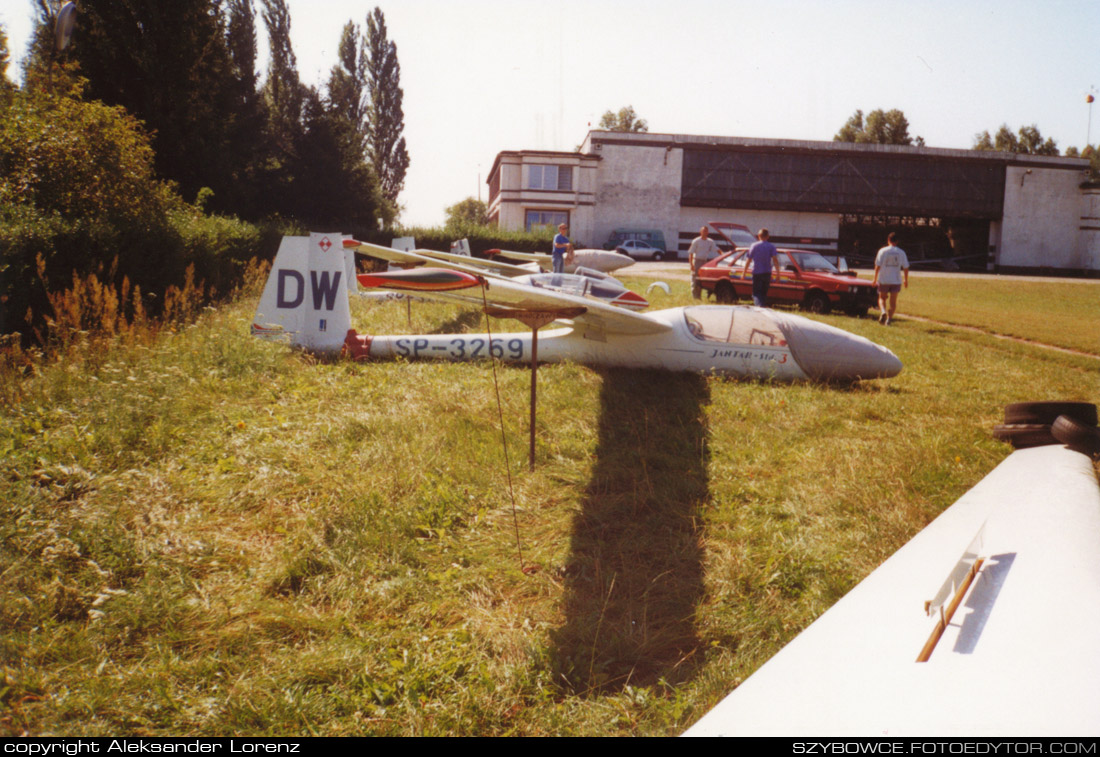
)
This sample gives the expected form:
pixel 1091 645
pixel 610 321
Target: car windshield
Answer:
pixel 811 261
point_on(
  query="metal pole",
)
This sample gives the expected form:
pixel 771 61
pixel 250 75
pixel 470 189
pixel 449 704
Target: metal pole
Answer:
pixel 534 390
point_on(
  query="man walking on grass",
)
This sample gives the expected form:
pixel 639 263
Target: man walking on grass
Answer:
pixel 891 268
pixel 762 255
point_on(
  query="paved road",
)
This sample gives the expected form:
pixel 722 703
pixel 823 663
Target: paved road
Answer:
pixel 678 271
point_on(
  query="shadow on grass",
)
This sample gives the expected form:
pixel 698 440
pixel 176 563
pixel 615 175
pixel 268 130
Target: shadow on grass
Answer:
pixel 635 571
pixel 464 321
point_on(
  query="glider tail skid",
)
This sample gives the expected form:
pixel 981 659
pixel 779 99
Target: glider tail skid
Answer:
pixel 305 300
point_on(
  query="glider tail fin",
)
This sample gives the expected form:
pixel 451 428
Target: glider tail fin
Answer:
pixel 305 299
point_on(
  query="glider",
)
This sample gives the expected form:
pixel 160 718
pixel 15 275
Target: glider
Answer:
pixel 305 301
pixel 582 282
pixel 597 260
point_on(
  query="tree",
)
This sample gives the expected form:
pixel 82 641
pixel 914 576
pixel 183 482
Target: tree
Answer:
pixel 248 150
pixel 332 183
pixel 1028 141
pixel 168 64
pixel 468 211
pixel 385 143
pixel 625 120
pixel 880 127
pixel 5 83
pixel 1093 156
pixel 982 141
pixel 1032 142
pixel 347 95
pixel 283 91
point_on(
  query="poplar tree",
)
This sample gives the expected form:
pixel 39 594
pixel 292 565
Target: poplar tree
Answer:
pixel 283 91
pixel 347 83
pixel 249 117
pixel 386 119
pixel 5 84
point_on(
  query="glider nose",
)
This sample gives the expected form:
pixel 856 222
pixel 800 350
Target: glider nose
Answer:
pixel 824 352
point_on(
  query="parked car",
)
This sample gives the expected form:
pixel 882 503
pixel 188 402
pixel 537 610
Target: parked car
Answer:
pixel 805 279
pixel 654 237
pixel 636 248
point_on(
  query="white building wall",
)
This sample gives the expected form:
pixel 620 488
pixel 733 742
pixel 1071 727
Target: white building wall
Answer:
pixel 1041 218
pixel 638 188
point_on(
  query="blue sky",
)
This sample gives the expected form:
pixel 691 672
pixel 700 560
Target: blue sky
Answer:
pixel 481 76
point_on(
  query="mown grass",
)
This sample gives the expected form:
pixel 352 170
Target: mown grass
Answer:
pixel 1063 313
pixel 207 534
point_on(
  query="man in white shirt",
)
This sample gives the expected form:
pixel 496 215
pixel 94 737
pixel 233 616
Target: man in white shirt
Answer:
pixel 891 269
pixel 702 250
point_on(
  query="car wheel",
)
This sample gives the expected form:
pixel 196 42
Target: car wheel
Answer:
pixel 725 293
pixel 818 302
pixel 658 256
pixel 1078 436
pixel 1048 412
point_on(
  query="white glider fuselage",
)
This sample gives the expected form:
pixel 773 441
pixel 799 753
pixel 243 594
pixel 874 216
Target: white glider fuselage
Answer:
pixel 766 353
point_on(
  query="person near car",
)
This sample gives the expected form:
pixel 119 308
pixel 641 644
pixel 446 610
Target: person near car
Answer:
pixel 563 248
pixel 762 255
pixel 703 249
pixel 891 270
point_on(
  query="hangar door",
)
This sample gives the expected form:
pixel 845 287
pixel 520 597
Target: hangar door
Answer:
pixel 941 206
pixel 842 182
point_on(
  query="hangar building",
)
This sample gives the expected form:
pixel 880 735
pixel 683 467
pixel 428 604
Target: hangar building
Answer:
pixel 999 211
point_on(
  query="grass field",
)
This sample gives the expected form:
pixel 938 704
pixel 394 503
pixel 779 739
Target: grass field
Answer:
pixel 208 535
pixel 1063 313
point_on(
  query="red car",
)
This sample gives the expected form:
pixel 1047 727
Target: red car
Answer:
pixel 805 279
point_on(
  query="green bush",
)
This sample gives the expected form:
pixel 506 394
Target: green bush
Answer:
pixel 78 192
pixel 481 238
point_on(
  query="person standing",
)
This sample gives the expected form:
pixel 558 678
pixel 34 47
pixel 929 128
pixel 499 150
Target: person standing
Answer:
pixel 762 255
pixel 562 248
pixel 703 249
pixel 891 269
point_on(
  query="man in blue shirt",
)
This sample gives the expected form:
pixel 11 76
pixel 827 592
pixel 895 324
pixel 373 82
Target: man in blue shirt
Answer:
pixel 562 248
pixel 761 254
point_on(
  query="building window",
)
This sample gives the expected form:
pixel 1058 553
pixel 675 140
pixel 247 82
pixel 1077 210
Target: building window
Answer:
pixel 536 220
pixel 550 177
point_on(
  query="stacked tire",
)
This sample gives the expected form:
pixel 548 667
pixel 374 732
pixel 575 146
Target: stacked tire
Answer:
pixel 1034 424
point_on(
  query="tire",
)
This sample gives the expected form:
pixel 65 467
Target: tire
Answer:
pixel 1078 436
pixel 856 312
pixel 1048 412
pixel 818 302
pixel 1023 435
pixel 658 256
pixel 724 293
